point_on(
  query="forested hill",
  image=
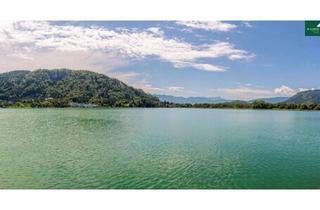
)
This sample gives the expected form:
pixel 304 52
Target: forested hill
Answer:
pixel 307 97
pixel 62 87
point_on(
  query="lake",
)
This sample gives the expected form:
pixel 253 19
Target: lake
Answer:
pixel 159 148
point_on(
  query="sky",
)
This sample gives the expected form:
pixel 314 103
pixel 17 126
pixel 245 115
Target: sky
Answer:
pixel 231 59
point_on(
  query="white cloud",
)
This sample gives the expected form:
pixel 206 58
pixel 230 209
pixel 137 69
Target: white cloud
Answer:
pixel 302 89
pixel 126 77
pixel 241 57
pixel 175 88
pixel 247 24
pixel 285 91
pixel 208 25
pixel 156 30
pixel 136 80
pixel 305 89
pixel 21 55
pixel 139 81
pixel 207 67
pixel 243 93
pixel 99 47
pixel 90 60
pixel 148 87
pixel 248 92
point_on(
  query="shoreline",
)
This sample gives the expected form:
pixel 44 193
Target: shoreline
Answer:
pixel 200 108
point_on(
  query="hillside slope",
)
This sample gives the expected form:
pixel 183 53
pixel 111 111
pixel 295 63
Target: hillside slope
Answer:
pixel 305 97
pixel 60 87
pixel 271 100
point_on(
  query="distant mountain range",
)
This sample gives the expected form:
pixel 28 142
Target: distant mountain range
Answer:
pixel 213 100
pixel 305 97
pixel 192 100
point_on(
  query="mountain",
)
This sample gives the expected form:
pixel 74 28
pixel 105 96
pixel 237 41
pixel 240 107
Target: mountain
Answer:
pixel 305 97
pixel 237 102
pixel 191 100
pixel 213 100
pixel 272 100
pixel 62 87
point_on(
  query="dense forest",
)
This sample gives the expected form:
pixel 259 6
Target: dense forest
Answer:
pixel 64 88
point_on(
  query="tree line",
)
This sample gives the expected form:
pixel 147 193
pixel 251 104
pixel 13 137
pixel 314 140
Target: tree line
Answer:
pixel 51 103
pixel 259 104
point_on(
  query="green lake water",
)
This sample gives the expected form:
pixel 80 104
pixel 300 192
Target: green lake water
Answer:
pixel 159 148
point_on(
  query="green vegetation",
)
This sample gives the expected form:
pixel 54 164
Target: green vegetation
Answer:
pixel 254 105
pixel 306 100
pixel 63 87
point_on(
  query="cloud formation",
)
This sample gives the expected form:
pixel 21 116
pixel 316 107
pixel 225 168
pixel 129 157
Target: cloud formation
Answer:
pixel 208 25
pixel 244 93
pixel 27 45
pixel 247 92
pixel 247 24
pixel 175 88
pixel 285 90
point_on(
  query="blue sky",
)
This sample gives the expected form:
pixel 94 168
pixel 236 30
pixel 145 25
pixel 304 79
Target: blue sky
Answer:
pixel 234 60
